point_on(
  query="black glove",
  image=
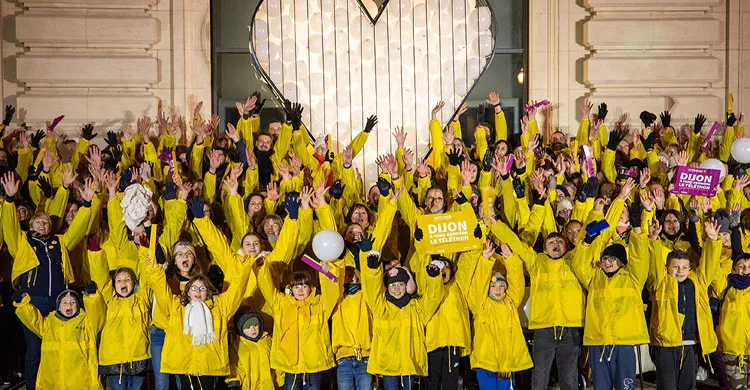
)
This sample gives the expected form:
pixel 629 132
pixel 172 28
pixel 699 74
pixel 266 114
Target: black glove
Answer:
pixel 647 118
pixel 700 120
pixel 126 179
pixel 196 207
pixel 116 153
pixel 461 198
pixel 90 289
pixel 432 270
pixel 88 132
pixel 170 191
pixel 602 111
pixel 373 260
pixel 519 187
pixel 45 186
pixel 329 157
pixel 297 116
pixel 365 242
pixel 418 235
pixel 292 204
pixel 34 172
pixel 592 190
pixel 477 232
pixel 453 158
pixel 37 138
pixel 17 295
pixel 287 108
pixel 615 137
pixel 481 114
pixel 731 119
pixel 258 103
pixel 649 142
pixel 666 119
pixel 489 158
pixel 9 111
pixel 336 190
pixel 111 139
pixel 384 186
pixel 636 214
pixel 371 122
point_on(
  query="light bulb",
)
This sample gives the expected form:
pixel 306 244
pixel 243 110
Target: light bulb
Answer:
pixel 520 76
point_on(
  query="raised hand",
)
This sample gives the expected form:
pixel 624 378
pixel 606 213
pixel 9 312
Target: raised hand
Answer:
pixel 627 188
pixel 408 159
pixel 68 175
pixel 87 132
pixel 49 160
pixel 400 135
pixel 711 228
pixel 10 184
pixel 494 100
pixel 586 107
pixel 439 106
pixel 272 191
pixel 602 111
pixel 371 122
pixel 488 249
pixel 468 172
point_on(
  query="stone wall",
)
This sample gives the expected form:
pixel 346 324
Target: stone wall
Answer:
pixel 682 55
pixel 106 61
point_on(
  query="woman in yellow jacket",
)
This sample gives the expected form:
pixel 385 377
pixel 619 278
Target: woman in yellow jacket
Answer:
pixel 499 344
pixel 250 353
pixel 195 347
pixel 398 350
pixel 68 338
pixel 615 320
pixel 681 319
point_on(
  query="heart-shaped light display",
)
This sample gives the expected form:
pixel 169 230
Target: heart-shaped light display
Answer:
pixel 331 57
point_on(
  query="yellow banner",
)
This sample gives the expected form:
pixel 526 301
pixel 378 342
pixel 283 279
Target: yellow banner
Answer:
pixel 448 233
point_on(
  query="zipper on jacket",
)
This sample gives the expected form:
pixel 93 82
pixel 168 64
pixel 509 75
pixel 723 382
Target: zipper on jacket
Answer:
pixel 49 266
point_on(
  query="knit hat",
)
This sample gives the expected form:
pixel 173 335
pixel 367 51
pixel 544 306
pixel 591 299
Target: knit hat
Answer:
pixel 722 217
pixel 618 251
pixel 497 277
pixel 67 293
pixel 245 318
pixel 321 141
pixel 397 274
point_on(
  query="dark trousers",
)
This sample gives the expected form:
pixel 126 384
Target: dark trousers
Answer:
pixel 676 367
pixel 199 382
pixel 12 333
pixel 443 368
pixel 302 381
pixel 613 367
pixel 45 305
pixel 563 343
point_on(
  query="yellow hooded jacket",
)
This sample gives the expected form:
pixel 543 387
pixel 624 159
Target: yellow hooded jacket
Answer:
pixel 125 337
pixel 68 346
pixel 499 343
pixel 250 363
pixel 734 319
pixel 398 343
pixel 614 313
pixel 666 320
pixel 556 296
pixel 302 341
pixel 179 356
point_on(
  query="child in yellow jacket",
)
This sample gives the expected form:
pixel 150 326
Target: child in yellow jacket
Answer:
pixel 499 344
pixel 68 335
pixel 250 353
pixel 615 320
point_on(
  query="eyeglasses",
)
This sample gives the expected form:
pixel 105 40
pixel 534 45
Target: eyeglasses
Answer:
pixel 198 288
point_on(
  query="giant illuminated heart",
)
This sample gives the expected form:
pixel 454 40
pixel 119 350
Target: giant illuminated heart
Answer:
pixel 347 59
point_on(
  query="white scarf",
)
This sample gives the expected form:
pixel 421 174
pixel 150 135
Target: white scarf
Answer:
pixel 199 322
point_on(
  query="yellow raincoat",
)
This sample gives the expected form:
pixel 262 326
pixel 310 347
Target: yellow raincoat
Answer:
pixel 68 346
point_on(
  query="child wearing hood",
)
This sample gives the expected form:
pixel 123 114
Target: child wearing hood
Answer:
pixel 499 344
pixel 615 320
pixel 124 349
pixel 68 336
pixel 250 353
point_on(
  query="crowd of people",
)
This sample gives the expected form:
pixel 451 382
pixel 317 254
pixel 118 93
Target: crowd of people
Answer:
pixel 174 253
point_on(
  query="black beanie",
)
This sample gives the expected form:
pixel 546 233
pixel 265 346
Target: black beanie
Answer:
pixel 401 276
pixel 618 251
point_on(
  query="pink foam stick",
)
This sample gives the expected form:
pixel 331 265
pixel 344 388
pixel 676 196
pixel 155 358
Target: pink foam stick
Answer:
pixel 589 162
pixel 316 266
pixel 538 104
pixel 712 131
pixel 55 122
pixel 509 165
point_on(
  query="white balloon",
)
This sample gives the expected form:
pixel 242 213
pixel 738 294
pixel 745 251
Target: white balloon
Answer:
pixel 328 245
pixel 713 163
pixel 741 150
